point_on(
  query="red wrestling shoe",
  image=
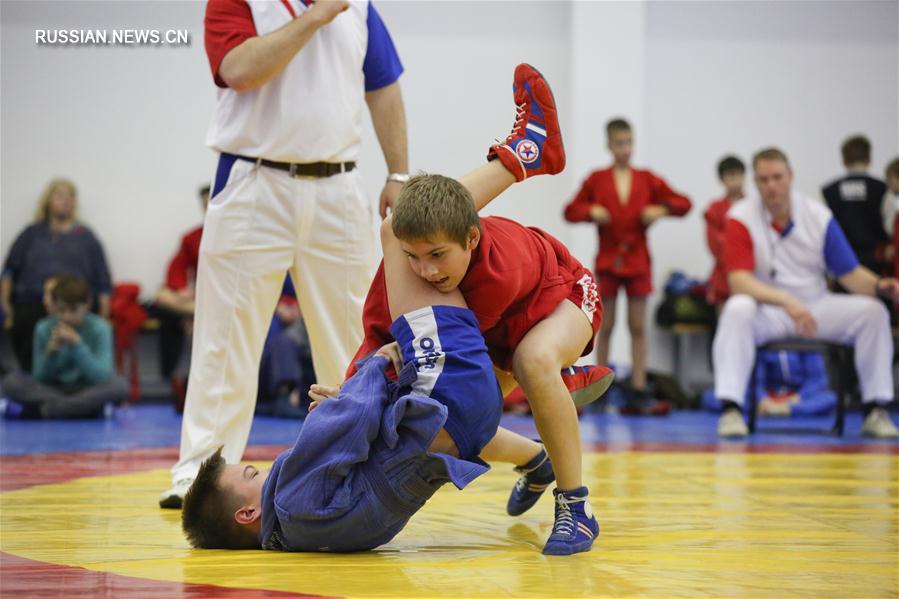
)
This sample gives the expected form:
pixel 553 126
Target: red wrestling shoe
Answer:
pixel 534 147
pixel 586 384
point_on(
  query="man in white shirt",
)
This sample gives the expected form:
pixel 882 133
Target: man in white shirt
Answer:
pixel 293 78
pixel 780 245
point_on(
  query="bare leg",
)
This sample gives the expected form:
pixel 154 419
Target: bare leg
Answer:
pixel 487 182
pixel 636 322
pixel 538 361
pixel 443 443
pixel 510 448
pixel 605 329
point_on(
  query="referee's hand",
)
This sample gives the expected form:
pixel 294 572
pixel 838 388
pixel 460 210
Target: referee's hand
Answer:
pixel 326 10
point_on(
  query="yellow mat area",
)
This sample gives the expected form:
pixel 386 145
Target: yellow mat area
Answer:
pixel 672 525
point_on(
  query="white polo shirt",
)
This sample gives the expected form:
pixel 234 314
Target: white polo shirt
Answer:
pixel 312 111
pixel 795 258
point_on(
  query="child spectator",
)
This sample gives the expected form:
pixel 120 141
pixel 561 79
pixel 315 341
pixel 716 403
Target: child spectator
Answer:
pixel 55 243
pixel 72 373
pixel 856 201
pixel 174 307
pixel 286 372
pixel 731 172
pixel 623 202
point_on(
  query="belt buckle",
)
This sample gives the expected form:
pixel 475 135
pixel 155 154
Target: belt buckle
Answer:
pixel 295 175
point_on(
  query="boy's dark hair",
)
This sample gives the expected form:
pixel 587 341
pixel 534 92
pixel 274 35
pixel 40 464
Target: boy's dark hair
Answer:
pixel 892 169
pixel 730 164
pixel 770 154
pixel 207 516
pixel 204 191
pixel 430 205
pixel 856 149
pixel 616 125
pixel 70 290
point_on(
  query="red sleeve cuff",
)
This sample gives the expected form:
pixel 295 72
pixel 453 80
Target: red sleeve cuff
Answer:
pixel 737 247
pixel 228 24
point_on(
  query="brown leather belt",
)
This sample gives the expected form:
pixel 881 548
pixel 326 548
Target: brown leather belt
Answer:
pixel 313 170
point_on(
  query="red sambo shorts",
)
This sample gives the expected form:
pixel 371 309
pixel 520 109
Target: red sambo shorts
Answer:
pixel 637 286
pixel 585 295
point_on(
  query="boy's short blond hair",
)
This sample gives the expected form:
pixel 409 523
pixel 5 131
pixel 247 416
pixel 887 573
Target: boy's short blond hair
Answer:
pixel 431 205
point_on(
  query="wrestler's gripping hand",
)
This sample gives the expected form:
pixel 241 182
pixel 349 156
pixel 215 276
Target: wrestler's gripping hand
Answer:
pixel 319 393
pixel 391 351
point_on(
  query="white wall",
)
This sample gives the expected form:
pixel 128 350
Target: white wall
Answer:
pixel 698 79
pixel 604 87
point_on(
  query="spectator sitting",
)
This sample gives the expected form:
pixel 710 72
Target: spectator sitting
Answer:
pixel 286 371
pixel 731 172
pixel 56 243
pixel 892 202
pixel 174 307
pixel 780 245
pixel 787 383
pixel 73 374
pixel 856 201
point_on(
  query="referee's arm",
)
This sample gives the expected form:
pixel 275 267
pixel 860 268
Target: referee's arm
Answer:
pixel 260 59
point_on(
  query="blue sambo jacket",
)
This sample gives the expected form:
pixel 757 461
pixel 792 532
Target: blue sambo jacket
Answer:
pixel 360 467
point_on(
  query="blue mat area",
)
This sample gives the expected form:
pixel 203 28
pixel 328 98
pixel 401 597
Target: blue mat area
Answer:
pixel 130 427
pixel 148 425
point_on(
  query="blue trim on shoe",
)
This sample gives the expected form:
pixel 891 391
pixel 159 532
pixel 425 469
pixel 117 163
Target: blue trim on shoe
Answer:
pixel 535 105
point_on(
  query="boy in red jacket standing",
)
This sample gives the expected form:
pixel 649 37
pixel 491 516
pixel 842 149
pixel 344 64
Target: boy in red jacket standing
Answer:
pixel 623 202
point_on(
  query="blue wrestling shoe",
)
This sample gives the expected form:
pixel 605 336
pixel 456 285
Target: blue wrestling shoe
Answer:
pixel 536 476
pixel 575 527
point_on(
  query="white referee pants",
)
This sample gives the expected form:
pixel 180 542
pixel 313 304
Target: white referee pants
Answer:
pixel 260 225
pixel 855 320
